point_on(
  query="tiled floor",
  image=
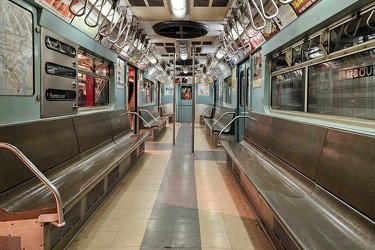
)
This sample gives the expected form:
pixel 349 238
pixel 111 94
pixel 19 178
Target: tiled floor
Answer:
pixel 172 199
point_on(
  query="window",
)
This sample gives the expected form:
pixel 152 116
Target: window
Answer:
pixel 308 50
pixel 288 91
pixel 17 55
pixel 353 32
pixel 344 86
pixel 228 90
pixel 341 86
pixel 93 81
pixel 146 91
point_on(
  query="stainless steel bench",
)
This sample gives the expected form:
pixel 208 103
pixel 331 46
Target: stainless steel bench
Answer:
pixel 220 119
pixel 153 120
pixel 83 156
pixel 311 187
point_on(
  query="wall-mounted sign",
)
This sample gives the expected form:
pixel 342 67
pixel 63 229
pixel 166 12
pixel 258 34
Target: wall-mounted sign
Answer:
pixel 61 47
pixel 203 89
pixel 60 95
pixel 59 70
pixel 168 89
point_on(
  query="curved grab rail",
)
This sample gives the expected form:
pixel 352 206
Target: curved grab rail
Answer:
pixel 135 113
pixel 73 2
pixel 208 109
pixel 42 178
pixel 235 118
pixel 91 10
pixel 285 1
pixel 221 117
pixel 128 28
pixel 368 20
pixel 270 16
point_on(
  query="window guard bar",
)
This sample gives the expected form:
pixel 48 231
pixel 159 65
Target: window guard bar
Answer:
pixel 221 117
pixel 153 117
pixel 60 214
pixel 235 118
pixel 135 113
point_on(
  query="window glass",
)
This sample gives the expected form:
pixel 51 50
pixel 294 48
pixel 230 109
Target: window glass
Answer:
pixel 279 62
pixel 353 32
pixel 288 91
pixel 343 87
pixel 147 91
pixel 306 51
pixel 93 81
pixel 16 46
pixel 228 90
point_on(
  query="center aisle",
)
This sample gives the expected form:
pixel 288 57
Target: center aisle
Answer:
pixel 172 199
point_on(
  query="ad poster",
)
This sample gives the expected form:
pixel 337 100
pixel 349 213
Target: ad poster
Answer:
pixel 270 30
pixel 120 74
pixel 168 89
pixel 257 75
pixel 234 78
pixel 301 6
pixel 203 89
pixel 286 16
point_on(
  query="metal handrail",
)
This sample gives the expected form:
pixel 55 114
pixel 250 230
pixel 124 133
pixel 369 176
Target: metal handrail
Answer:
pixel 221 117
pixel 164 108
pixel 152 116
pixel 135 113
pixel 235 118
pixel 42 178
pixel 207 109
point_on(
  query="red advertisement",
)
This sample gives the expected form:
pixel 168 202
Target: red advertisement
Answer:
pixel 90 90
pixel 301 6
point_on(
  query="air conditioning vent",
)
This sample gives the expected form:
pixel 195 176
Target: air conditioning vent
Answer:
pixel 181 29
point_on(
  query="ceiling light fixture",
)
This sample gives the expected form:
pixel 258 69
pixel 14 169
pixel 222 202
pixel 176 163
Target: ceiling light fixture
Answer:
pixel 179 8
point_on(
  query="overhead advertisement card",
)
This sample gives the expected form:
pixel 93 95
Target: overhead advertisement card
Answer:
pixel 300 6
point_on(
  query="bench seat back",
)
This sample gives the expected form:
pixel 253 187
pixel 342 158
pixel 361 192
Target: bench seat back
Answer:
pixel 347 169
pixel 47 143
pixel 92 130
pixel 297 144
pixel 120 124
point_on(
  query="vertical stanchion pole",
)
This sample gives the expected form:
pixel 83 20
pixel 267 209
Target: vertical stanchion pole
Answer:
pixel 193 109
pixel 174 100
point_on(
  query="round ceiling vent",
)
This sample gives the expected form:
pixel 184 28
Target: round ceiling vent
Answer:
pixel 181 29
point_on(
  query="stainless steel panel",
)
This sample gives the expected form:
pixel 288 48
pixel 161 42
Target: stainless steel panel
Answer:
pixel 298 144
pixel 347 169
pixel 58 106
pixel 258 131
pixel 46 143
pixel 92 130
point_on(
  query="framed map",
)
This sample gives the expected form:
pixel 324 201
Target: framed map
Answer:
pixel 16 50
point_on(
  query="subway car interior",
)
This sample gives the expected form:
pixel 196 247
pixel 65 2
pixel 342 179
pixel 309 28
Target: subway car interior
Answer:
pixel 187 124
